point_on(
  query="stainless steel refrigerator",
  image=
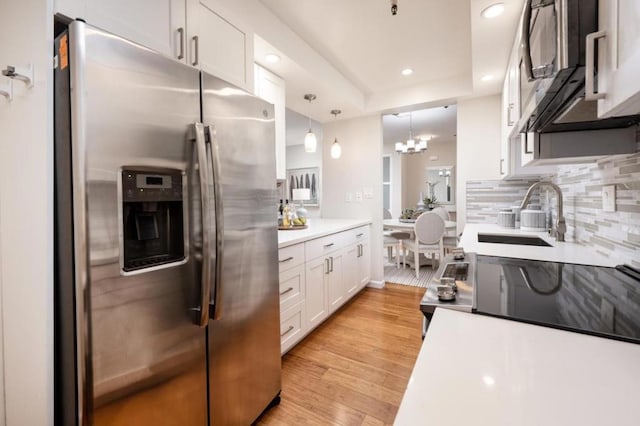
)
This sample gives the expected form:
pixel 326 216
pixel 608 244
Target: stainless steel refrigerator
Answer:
pixel 167 308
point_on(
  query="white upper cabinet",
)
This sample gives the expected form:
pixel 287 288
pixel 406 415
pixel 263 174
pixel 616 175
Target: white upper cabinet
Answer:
pixel 157 24
pixel 271 88
pixel 618 39
pixel 219 44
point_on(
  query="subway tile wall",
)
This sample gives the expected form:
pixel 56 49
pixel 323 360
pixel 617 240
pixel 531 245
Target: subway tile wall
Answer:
pixel 614 234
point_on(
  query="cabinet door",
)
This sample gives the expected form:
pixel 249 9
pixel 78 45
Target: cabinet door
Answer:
pixel 156 24
pixel 364 265
pixel 218 45
pixel 316 292
pixel 335 281
pixel 619 58
pixel 271 88
pixel 351 270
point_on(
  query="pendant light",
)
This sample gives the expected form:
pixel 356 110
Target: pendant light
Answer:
pixel 310 140
pixel 336 149
pixel 411 146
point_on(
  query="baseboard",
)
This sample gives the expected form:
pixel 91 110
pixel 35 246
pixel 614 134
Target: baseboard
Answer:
pixel 376 284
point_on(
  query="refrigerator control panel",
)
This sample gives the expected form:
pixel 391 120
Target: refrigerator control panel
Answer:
pixel 152 218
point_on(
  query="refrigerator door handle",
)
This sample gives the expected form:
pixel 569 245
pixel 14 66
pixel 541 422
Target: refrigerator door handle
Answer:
pixel 214 149
pixel 203 174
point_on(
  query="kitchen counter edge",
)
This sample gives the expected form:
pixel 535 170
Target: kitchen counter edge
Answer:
pixel 318 228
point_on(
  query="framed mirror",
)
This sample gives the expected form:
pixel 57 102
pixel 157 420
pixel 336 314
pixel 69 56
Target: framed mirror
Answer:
pixel 441 184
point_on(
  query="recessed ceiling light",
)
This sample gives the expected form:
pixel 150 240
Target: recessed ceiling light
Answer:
pixel 407 71
pixel 272 57
pixel 493 10
pixel 487 77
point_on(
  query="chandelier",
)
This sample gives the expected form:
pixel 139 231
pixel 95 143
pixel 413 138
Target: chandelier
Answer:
pixel 411 146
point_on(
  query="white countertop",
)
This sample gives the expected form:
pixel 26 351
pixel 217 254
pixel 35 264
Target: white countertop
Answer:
pixel 318 228
pixel 478 370
pixel 567 252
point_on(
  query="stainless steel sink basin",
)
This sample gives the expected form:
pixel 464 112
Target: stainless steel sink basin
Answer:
pixel 522 240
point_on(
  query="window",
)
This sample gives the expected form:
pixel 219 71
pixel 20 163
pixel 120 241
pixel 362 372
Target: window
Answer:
pixel 386 182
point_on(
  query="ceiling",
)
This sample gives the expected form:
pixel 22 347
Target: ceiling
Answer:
pixel 437 124
pixel 351 53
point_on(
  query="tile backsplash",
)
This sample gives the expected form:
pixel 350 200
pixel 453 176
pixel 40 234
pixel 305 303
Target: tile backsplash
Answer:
pixel 614 234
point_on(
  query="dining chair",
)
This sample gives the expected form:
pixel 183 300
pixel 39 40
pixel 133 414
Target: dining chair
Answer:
pixel 428 230
pixel 389 243
pixel 449 239
pixel 398 235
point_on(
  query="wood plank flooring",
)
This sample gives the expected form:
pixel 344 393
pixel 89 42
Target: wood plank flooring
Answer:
pixel 354 368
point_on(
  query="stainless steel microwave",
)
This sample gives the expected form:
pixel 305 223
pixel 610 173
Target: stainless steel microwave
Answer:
pixel 552 67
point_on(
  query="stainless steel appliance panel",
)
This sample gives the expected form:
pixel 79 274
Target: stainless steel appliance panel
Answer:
pixel 132 108
pixel 244 340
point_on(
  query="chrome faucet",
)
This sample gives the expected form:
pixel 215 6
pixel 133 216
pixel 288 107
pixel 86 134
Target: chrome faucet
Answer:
pixel 561 224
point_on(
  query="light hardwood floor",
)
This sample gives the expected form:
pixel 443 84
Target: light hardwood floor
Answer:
pixel 354 368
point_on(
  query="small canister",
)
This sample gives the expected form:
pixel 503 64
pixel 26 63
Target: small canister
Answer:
pixel 506 218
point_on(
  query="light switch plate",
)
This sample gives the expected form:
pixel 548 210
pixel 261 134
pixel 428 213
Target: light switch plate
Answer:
pixel 609 198
pixel 368 192
pixel 348 197
pixel 358 196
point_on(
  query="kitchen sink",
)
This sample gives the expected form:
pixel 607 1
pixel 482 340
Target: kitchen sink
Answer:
pixel 522 240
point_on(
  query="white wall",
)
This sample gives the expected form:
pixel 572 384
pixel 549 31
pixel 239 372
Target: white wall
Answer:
pixel 359 167
pixel 478 150
pixel 26 211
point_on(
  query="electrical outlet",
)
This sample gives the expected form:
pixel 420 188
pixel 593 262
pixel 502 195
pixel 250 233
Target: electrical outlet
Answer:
pixel 348 197
pixel 609 198
pixel 358 196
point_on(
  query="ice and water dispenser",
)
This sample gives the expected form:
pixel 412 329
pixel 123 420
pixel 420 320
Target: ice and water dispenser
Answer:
pixel 153 218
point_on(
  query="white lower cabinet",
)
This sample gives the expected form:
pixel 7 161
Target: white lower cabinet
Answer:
pixel 336 267
pixel 292 326
pixel 316 291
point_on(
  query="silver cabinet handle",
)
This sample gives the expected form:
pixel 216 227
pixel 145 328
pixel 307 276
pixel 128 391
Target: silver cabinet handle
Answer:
pixel 286 260
pixel 589 81
pixel 501 164
pixel 359 235
pixel 326 264
pixel 510 121
pixel 181 51
pixel 288 331
pixel 195 51
pixel 331 258
pixel 282 293
pixel 213 151
pixel 203 176
pixel 526 144
pixel 328 245
pixel 360 251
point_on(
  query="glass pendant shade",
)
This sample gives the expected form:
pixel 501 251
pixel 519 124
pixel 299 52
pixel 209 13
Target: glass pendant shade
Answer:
pixel 411 144
pixel 336 149
pixel 310 142
pixel 398 146
pixel 422 144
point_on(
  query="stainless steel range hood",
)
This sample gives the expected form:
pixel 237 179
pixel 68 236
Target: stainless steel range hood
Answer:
pixel 582 146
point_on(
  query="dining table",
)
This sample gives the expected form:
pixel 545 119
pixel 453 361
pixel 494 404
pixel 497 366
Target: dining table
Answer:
pixel 407 225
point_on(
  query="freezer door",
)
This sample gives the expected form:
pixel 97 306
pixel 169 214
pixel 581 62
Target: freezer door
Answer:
pixel 138 242
pixel 244 340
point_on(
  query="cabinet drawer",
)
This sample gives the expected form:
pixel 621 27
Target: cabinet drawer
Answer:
pixel 289 257
pixel 321 246
pixel 291 287
pixel 291 326
pixel 357 235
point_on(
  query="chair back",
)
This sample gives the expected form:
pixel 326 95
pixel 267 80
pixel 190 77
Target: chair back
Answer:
pixel 442 212
pixel 429 228
pixel 386 214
